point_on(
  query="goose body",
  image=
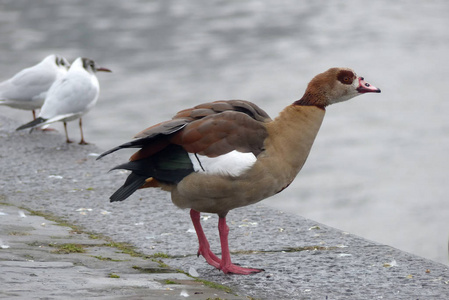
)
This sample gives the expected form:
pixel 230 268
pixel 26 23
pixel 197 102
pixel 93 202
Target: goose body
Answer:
pixel 221 155
pixel 27 89
pixel 274 168
pixel 70 97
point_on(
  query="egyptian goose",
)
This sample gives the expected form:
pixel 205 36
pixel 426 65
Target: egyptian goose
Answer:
pixel 221 155
pixel 70 97
pixel 27 89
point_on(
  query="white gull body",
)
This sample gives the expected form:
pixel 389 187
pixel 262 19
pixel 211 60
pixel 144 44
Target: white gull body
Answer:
pixel 71 96
pixel 28 88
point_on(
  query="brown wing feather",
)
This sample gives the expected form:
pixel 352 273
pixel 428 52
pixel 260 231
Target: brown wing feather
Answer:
pixel 211 129
pixel 164 128
pixel 221 133
pixel 211 108
pixel 150 149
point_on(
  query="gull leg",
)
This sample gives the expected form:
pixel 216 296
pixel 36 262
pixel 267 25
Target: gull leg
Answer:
pixel 66 134
pixel 82 142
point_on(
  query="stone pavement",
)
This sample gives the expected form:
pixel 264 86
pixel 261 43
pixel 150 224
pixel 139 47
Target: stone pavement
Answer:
pixel 303 259
pixel 40 259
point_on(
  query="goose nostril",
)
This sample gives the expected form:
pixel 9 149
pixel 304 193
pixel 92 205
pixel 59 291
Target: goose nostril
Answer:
pixel 367 84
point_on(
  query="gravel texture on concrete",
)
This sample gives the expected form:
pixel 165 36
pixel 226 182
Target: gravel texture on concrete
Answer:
pixel 302 258
pixel 40 259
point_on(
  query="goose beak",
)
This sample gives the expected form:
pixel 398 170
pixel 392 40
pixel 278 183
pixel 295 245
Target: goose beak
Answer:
pixel 102 69
pixel 365 87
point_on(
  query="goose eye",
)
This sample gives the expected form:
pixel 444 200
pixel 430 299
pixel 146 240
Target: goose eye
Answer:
pixel 345 77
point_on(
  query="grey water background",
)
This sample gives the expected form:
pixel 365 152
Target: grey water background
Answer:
pixel 379 165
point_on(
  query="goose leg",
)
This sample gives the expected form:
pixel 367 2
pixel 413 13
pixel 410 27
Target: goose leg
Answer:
pixel 204 248
pixel 226 265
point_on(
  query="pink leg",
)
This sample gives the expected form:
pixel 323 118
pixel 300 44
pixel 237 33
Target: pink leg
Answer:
pixel 204 248
pixel 226 265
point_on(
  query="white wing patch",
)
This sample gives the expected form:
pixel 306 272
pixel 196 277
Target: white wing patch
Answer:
pixel 233 163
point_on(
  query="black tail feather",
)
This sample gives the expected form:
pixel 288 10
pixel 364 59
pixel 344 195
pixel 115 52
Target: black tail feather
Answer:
pixel 132 183
pixel 135 166
pixel 150 136
pixel 33 123
pixel 133 144
pixel 169 166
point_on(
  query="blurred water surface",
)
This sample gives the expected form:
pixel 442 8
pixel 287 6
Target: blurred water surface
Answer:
pixel 379 165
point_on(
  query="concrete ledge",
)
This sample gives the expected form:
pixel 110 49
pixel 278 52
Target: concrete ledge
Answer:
pixel 40 259
pixel 302 258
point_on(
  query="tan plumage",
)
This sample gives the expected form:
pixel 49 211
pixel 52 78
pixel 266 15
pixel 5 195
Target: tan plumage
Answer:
pixel 174 154
pixel 286 147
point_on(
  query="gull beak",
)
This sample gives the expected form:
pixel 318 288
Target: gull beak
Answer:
pixel 100 69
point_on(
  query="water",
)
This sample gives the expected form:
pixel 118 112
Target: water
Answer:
pixel 379 165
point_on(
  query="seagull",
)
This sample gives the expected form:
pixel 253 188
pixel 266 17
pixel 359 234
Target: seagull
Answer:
pixel 70 97
pixel 222 155
pixel 28 88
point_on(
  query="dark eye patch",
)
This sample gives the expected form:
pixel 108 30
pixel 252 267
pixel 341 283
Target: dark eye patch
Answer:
pixel 345 76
